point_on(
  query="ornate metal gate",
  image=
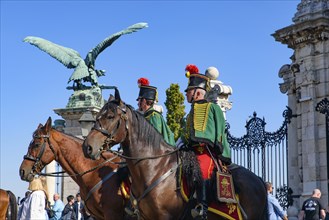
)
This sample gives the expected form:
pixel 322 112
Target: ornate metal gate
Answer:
pixel 264 153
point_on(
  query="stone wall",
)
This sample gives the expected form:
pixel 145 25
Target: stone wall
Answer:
pixel 306 82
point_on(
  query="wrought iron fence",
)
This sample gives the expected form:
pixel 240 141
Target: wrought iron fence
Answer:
pixel 264 153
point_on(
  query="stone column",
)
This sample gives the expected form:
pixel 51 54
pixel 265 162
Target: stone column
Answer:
pixel 308 37
pixel 51 182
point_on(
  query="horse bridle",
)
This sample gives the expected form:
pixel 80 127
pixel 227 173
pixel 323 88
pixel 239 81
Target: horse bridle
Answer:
pixel 37 160
pixel 111 135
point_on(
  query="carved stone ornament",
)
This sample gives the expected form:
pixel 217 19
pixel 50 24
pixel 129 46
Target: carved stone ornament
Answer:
pixel 311 25
pixel 311 9
pixel 287 75
pixel 86 98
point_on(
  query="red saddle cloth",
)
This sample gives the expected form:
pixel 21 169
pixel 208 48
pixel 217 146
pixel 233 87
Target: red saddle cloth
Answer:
pixel 227 210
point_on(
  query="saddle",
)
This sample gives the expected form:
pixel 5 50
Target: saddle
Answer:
pixel 224 203
pixel 221 196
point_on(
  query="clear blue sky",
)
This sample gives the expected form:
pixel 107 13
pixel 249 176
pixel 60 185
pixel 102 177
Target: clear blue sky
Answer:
pixel 234 36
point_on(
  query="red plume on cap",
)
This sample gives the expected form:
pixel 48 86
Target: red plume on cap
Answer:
pixel 193 69
pixel 143 82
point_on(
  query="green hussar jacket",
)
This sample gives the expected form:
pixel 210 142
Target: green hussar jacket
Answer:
pixel 156 119
pixel 206 124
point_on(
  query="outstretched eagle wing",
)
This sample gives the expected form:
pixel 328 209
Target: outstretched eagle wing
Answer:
pixel 92 55
pixel 67 56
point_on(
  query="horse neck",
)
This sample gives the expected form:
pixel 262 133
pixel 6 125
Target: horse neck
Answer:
pixel 142 146
pixel 70 154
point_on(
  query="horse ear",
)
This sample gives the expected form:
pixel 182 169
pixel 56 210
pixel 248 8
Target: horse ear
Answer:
pixel 111 98
pixel 117 95
pixel 40 126
pixel 48 124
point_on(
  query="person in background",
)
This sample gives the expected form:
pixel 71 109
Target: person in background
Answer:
pixel 312 208
pixel 23 204
pixel 58 207
pixel 68 212
pixel 35 204
pixel 147 97
pixel 77 207
pixel 27 194
pixel 275 211
pixel 327 213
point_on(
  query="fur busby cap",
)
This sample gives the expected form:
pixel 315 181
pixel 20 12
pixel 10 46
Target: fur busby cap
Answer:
pixel 196 79
pixel 146 91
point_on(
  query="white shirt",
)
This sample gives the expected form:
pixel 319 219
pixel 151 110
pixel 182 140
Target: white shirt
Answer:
pixel 34 206
pixel 79 213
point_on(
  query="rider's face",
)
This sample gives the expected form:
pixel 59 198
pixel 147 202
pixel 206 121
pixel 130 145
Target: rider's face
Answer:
pixel 189 95
pixel 142 105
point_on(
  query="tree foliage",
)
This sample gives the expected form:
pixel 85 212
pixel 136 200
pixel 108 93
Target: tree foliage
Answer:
pixel 175 109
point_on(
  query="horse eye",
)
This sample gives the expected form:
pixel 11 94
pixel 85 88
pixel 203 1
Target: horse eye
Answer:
pixel 35 144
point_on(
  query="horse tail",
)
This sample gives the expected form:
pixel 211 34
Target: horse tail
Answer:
pixel 12 208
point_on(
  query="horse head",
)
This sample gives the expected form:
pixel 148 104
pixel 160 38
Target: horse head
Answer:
pixel 111 128
pixel 39 154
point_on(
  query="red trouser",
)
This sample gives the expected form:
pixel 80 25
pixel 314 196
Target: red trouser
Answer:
pixel 205 161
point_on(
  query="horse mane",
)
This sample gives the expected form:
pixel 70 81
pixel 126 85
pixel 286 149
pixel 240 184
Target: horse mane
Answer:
pixel 190 166
pixel 146 133
pixel 69 135
pixel 63 133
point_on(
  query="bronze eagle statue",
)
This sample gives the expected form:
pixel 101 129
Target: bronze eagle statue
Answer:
pixel 84 69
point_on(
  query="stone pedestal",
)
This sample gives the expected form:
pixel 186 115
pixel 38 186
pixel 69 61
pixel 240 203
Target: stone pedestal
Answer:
pixel 306 83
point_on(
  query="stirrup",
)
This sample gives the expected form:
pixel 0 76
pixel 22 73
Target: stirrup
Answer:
pixel 197 212
pixel 130 212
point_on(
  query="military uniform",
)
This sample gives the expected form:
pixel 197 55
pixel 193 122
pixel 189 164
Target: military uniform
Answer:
pixel 205 127
pixel 156 119
pixel 204 133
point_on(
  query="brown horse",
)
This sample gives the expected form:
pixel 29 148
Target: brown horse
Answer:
pixel 152 164
pixel 99 181
pixel 8 205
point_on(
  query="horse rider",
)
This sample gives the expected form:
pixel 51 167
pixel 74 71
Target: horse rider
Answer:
pixel 204 134
pixel 147 98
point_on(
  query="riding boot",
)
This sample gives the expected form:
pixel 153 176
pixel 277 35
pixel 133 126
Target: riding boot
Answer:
pixel 201 209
